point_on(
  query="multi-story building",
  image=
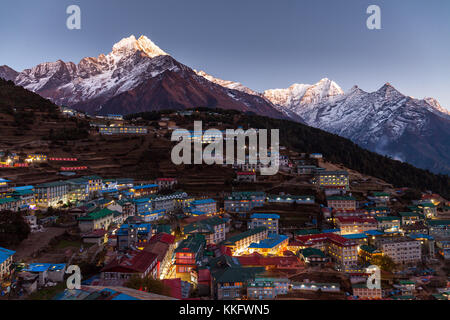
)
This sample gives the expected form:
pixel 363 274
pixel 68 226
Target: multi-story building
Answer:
pixel 122 130
pixel 240 242
pixel 133 263
pixel 388 223
pixel 78 189
pixel 4 186
pixel 363 292
pixel 166 183
pixel 6 259
pixel 429 210
pixel 343 251
pixel 268 220
pixel 163 245
pixel 333 179
pixel 290 199
pixel 229 278
pixel 410 217
pixel 208 206
pixel 133 236
pixel 439 228
pixel 443 249
pixel 144 190
pixel 312 256
pixel 261 289
pixel 188 253
pixel 246 176
pixel 402 250
pixel 153 215
pixel 341 202
pixel 380 198
pixel 275 245
pixel 52 194
pixel 352 225
pixel 376 211
pixel 95 183
pixel 243 202
pixel 100 219
pixel 212 228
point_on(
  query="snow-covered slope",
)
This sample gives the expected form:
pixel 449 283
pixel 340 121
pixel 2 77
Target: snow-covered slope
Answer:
pixel 385 121
pixel 114 82
pixel 299 95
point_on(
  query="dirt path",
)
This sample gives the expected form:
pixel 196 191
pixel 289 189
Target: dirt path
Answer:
pixel 35 242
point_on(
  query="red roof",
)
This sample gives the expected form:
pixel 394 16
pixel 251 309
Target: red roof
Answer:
pixel 175 287
pixel 204 275
pixel 255 259
pixel 246 173
pixel 166 179
pixel 162 237
pixel 323 237
pixel 131 262
pixel 356 220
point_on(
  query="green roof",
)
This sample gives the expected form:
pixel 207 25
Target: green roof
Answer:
pixel 409 214
pixel 312 252
pixel 243 235
pixel 380 194
pixel 368 249
pixel 193 243
pixel 166 228
pixel 390 218
pixel 406 282
pixel 359 286
pixel 404 298
pixel 236 274
pixel 426 205
pixel 7 200
pixel 51 184
pixel 306 232
pixel 206 225
pixel 96 215
pixel 438 222
pixel 341 198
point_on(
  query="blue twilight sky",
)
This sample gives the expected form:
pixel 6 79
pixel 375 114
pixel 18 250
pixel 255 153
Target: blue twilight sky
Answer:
pixel 263 44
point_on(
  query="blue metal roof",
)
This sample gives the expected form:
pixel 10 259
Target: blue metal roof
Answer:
pixel 374 232
pixel 41 267
pixel 5 254
pixel 269 243
pixel 264 216
pixel 355 236
pixel 421 236
pixel 147 186
pixel 203 201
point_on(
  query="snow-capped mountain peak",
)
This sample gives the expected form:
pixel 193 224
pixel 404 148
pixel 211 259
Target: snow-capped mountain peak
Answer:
pixel 304 94
pixel 143 44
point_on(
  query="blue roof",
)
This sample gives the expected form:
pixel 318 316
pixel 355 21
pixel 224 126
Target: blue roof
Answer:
pixel 264 216
pixel 41 267
pixel 5 254
pixel 24 188
pixel 109 190
pixel 197 212
pixel 147 186
pixel 374 232
pixel 421 236
pixel 4 180
pixel 141 200
pixel 269 243
pixel 355 236
pixel 203 201
pixel 331 230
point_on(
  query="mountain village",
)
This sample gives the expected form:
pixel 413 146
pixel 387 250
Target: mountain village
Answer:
pixel 310 232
